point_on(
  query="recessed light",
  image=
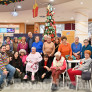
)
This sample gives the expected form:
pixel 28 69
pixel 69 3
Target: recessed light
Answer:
pixel 19 6
pixel 52 0
pixel 81 3
pixel 72 18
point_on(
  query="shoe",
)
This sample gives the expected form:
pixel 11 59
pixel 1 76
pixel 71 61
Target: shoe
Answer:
pixel 32 78
pixel 10 82
pixel 72 86
pixel 54 87
pixel 1 87
pixel 25 77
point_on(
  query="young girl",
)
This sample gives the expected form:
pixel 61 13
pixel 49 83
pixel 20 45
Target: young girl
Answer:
pixel 23 56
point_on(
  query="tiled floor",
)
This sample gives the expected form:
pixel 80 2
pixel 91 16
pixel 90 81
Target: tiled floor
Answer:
pixel 39 87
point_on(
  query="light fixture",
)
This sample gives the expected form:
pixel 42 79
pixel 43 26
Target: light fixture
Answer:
pixel 14 13
pixel 52 0
pixel 19 6
pixel 72 18
pixel 81 3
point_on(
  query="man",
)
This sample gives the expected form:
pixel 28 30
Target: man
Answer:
pixel 30 40
pixel 5 67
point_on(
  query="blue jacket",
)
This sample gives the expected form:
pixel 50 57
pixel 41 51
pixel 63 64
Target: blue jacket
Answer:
pixel 38 46
pixel 86 48
pixel 76 48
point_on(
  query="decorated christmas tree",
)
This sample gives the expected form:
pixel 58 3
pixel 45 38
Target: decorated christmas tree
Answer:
pixel 50 28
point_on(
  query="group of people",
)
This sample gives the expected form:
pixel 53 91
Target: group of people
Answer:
pixel 42 59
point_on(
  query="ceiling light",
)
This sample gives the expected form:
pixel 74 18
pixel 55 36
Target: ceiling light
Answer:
pixel 81 3
pixel 19 6
pixel 72 18
pixel 52 0
pixel 14 13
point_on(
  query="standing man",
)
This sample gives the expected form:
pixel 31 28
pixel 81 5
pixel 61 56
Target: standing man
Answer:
pixel 30 40
pixel 5 67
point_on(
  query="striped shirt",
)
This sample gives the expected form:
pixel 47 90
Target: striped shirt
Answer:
pixel 3 61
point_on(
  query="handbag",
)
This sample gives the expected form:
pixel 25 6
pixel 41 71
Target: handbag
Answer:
pixel 86 75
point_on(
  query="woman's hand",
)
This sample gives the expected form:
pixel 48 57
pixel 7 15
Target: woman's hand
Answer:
pixel 57 68
pixel 17 69
pixel 73 69
pixel 48 69
pixel 43 75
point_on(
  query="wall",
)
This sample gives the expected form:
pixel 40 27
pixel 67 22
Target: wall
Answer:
pixel 29 28
pixel 21 26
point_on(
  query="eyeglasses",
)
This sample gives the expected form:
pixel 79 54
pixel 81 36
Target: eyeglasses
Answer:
pixel 85 42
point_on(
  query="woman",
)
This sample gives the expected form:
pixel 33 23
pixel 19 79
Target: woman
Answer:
pixel 23 45
pixel 49 48
pixel 57 68
pixel 38 45
pixel 23 56
pixel 86 47
pixel 77 70
pixel 17 63
pixel 33 60
pixel 8 41
pixel 65 47
pixel 15 44
pixel 44 68
pixel 57 42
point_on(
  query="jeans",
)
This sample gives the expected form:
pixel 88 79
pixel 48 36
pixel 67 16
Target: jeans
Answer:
pixel 11 71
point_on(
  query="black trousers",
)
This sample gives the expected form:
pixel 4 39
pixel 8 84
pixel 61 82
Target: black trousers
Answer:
pixel 41 72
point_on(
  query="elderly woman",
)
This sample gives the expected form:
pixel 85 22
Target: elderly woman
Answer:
pixel 23 56
pixel 76 48
pixel 8 41
pixel 23 44
pixel 77 70
pixel 65 48
pixel 38 44
pixel 15 44
pixel 44 39
pixel 86 47
pixel 49 48
pixel 57 68
pixel 33 63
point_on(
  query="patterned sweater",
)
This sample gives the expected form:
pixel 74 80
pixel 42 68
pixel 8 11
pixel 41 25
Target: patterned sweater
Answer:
pixel 3 61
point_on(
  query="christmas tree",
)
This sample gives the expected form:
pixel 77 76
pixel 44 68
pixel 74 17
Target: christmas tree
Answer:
pixel 50 28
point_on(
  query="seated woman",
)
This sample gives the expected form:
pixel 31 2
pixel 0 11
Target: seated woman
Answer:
pixel 23 56
pixel 33 63
pixel 57 68
pixel 77 70
pixel 17 63
pixel 44 68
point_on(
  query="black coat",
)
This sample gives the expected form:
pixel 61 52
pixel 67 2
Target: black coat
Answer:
pixel 17 63
pixel 41 66
pixel 33 40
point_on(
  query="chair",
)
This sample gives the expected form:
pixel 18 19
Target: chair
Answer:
pixel 89 81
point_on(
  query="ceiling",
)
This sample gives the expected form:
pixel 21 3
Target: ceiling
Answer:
pixel 28 4
pixel 64 11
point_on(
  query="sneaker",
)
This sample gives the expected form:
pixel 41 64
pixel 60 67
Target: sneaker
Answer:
pixel 10 82
pixel 32 78
pixel 72 86
pixel 25 77
pixel 54 87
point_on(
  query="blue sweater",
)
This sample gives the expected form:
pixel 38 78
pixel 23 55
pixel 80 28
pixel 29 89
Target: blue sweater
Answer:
pixel 76 48
pixel 86 48
pixel 38 46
